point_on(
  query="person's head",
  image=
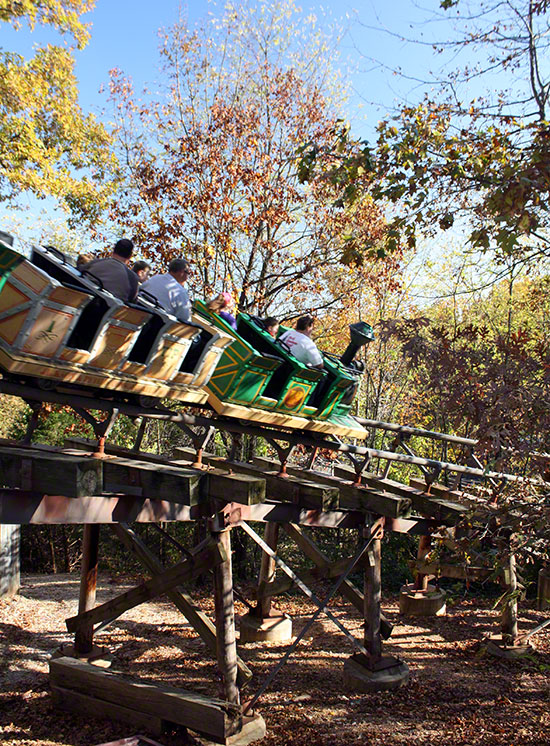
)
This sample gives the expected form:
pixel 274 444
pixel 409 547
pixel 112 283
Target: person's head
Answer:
pixel 271 326
pixel 83 259
pixel 123 250
pixel 180 269
pixel 305 324
pixel 141 269
pixel 222 302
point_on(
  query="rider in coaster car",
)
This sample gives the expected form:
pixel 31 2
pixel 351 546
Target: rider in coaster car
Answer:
pixel 114 273
pixel 222 305
pixel 300 344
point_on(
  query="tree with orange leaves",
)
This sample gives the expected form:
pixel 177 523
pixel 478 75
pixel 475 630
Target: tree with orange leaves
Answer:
pixel 212 164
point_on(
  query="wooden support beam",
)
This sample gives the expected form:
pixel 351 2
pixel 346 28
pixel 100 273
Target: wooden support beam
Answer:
pixel 234 514
pixel 225 618
pixel 299 490
pixel 157 481
pixel 509 618
pixel 84 636
pixel 210 717
pixel 347 588
pixel 376 501
pixel 461 572
pixel 211 556
pixel 77 702
pixel 19 506
pixel 200 622
pixel 373 597
pixel 424 547
pixel 214 483
pixel 268 569
pixel 50 473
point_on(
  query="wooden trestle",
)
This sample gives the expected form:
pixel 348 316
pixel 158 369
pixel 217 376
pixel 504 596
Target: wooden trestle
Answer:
pixel 70 485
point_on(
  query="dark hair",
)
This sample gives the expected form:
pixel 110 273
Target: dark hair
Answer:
pixel 270 321
pixel 178 265
pixel 304 322
pixel 139 265
pixel 124 248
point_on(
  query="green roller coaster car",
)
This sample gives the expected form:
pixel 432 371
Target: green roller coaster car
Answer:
pixel 258 371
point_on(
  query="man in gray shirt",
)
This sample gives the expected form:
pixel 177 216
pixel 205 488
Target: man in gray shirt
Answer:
pixel 170 291
pixel 114 273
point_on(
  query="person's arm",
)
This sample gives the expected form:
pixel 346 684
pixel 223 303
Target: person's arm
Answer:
pixel 182 306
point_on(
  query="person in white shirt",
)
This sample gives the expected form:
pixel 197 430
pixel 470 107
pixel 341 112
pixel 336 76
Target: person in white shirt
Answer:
pixel 170 291
pixel 300 344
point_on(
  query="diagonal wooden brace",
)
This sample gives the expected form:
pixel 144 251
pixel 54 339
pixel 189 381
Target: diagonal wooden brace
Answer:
pixel 209 556
pixel 200 622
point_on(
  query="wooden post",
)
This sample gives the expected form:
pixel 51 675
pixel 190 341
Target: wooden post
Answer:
pixel 543 589
pixel 225 620
pixel 509 620
pixel 373 595
pixel 10 537
pixel 424 546
pixel 267 570
pixel 84 638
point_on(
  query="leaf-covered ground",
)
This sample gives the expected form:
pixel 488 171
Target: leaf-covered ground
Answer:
pixel 455 696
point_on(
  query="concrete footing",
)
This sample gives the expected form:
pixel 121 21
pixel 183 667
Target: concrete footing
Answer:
pixel 429 602
pixel 388 673
pixel 269 629
pixel 98 656
pixel 496 647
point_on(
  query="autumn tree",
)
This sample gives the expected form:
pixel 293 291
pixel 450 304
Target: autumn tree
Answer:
pixel 211 164
pixel 48 146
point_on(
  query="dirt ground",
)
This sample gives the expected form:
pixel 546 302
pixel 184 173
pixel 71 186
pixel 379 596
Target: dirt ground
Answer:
pixel 456 695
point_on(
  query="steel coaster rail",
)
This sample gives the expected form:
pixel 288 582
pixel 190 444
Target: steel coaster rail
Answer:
pixel 236 426
pixel 407 430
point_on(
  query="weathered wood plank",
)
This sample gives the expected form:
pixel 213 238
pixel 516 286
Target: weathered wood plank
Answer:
pixel 351 497
pixel 84 637
pixel 188 569
pixel 152 480
pixel 299 490
pixel 50 473
pixel 182 600
pixel 225 619
pixel 19 506
pixel 212 717
pixel 247 489
pixel 447 570
pixel 71 701
pixel 447 511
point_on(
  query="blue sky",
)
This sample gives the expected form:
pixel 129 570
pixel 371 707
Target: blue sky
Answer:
pixel 124 34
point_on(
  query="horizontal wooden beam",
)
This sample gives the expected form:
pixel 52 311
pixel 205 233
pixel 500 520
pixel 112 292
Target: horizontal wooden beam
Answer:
pixel 209 557
pixel 233 514
pixel 352 497
pixel 300 490
pixel 211 717
pixel 23 507
pixel 50 472
pixel 71 701
pixel 141 468
pixel 461 572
